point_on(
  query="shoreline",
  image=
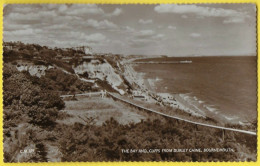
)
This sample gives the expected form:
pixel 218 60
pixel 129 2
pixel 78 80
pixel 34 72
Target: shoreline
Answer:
pixel 185 102
pixel 145 87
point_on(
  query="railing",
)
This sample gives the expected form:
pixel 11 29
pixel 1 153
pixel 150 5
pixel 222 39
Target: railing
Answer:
pixel 181 119
pixel 102 94
pixel 163 62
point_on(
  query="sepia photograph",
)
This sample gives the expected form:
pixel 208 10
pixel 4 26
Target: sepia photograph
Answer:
pixel 132 82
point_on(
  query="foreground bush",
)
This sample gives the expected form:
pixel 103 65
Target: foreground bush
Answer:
pixel 104 143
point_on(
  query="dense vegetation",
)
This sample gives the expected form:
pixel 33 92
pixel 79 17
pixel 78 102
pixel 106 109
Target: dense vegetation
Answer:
pixel 26 103
pixel 31 106
pixel 32 99
pixel 104 143
pixel 57 80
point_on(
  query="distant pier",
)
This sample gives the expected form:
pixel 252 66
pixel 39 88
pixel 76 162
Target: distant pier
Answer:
pixel 163 62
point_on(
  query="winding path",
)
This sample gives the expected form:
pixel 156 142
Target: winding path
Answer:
pixel 83 94
pixel 163 114
pixel 185 120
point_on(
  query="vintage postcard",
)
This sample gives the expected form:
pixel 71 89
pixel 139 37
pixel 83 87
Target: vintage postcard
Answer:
pixel 132 82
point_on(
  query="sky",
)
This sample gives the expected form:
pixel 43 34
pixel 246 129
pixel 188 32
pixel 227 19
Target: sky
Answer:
pixel 162 29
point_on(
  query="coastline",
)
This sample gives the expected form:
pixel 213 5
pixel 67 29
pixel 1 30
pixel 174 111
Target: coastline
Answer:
pixel 176 101
pixel 185 102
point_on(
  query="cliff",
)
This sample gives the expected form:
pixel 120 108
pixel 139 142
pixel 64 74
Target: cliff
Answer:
pixel 103 71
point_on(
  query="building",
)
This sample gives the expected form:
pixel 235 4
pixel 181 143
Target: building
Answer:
pixel 59 56
pixel 10 46
pixel 84 49
pixel 66 59
pixel 138 95
pixel 87 57
pixel 88 50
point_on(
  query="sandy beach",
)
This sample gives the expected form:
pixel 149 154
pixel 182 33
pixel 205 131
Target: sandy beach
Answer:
pixel 183 101
pixel 146 87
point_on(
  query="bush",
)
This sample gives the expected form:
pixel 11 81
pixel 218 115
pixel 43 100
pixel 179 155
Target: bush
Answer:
pixel 40 104
pixel 43 117
pixel 104 143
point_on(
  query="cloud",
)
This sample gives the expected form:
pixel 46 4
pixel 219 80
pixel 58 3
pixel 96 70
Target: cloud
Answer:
pixel 195 35
pixel 129 29
pixel 126 29
pixel 144 38
pixel 31 17
pixel 116 12
pixel 96 38
pixel 184 16
pixel 141 21
pixel 82 38
pixel 105 24
pixel 144 33
pixel 50 24
pixel 171 27
pixel 198 10
pixel 62 8
pixel 143 42
pixel 234 20
pixel 13 27
pixel 82 10
pixel 21 32
pixel 137 43
pixel 107 27
pixel 20 8
pixel 56 27
pixel 201 11
pixel 79 9
pixel 159 36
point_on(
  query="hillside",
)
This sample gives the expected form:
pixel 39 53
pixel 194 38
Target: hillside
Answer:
pixel 95 128
pixel 39 61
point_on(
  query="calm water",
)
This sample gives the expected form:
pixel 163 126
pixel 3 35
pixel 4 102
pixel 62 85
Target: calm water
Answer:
pixel 226 84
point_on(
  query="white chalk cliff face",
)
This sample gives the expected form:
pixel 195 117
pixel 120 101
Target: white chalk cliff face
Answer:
pixel 34 70
pixel 102 71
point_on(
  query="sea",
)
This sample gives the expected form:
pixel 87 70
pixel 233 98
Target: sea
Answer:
pixel 225 85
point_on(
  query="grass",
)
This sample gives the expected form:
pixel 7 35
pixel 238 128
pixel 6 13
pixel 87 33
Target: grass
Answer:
pixel 86 104
pixel 101 109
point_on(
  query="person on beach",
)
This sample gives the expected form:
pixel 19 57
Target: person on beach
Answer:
pixel 102 94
